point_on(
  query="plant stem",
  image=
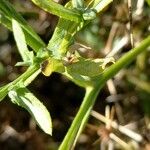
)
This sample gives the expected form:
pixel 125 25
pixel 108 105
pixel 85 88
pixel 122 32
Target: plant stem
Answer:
pixel 23 80
pixel 92 92
pixel 85 109
pixel 31 70
pixel 124 60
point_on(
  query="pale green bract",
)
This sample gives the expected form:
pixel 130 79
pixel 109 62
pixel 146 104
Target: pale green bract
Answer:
pixel 24 98
pixel 80 66
pixel 89 67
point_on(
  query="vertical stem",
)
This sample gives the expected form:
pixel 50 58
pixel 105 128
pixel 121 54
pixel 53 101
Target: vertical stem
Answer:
pixel 85 109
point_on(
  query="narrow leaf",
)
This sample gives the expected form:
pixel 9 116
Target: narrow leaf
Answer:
pixel 21 42
pixel 24 98
pixel 7 13
pixel 59 10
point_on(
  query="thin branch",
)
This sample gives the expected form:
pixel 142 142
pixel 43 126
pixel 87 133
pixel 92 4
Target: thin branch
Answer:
pixel 118 140
pixel 122 129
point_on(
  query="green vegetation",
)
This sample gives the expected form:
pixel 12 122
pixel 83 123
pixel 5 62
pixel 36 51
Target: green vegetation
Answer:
pixel 56 56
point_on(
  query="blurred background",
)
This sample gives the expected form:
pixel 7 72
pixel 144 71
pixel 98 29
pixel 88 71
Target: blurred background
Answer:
pixel 128 93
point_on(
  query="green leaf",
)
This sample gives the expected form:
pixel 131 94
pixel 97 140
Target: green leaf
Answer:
pixel 89 67
pixel 7 13
pixel 21 42
pixel 24 98
pixel 59 10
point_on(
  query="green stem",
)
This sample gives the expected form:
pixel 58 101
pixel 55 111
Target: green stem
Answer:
pixel 58 10
pixel 91 93
pixel 31 70
pixel 31 73
pixel 125 60
pixel 89 99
